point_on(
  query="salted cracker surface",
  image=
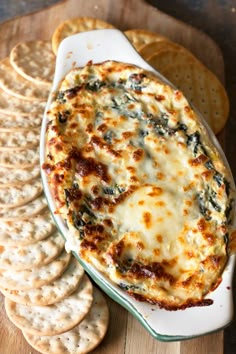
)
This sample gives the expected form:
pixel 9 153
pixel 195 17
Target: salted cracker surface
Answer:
pixel 82 338
pixel 35 277
pixel 53 319
pixel 51 293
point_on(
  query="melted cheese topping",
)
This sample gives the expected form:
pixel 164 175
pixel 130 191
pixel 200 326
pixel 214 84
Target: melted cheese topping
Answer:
pixel 144 192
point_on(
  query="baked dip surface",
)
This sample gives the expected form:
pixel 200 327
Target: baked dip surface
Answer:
pixel 144 192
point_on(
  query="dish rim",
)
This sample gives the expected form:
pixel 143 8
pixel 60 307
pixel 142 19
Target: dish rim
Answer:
pixel 64 60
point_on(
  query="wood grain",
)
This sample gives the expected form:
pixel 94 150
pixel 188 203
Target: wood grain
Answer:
pixel 125 335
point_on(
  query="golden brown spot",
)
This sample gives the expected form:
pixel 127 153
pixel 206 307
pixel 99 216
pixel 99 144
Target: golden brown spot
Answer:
pixel 89 128
pixel 198 160
pixel 181 239
pixel 131 169
pixel 156 252
pixel 166 151
pixel 185 212
pixel 138 154
pixel 207 174
pixel 160 176
pixel 140 245
pixel 102 128
pixel 189 186
pixel 88 148
pixel 181 145
pixel 160 203
pixel 131 106
pixel 107 222
pixel 74 126
pixel 133 179
pixel 178 95
pixel 159 238
pixel 187 109
pixel 89 166
pixel 170 262
pixel 210 238
pixel 141 202
pixel 58 147
pixel 156 191
pixel 213 262
pixel 189 254
pixel 57 178
pixel 188 202
pixel 52 141
pixel 1 249
pixel 127 135
pixel 201 225
pixel 160 98
pixel 147 218
pixel 186 282
pixel 97 141
pixel 169 213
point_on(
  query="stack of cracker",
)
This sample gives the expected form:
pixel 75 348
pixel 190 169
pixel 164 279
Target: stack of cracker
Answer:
pixel 200 86
pixel 47 294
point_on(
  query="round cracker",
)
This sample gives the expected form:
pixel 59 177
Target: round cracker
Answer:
pixel 203 90
pixel 82 338
pixel 53 319
pixel 30 256
pixel 14 105
pixel 26 232
pixel 35 277
pixel 15 158
pixel 152 48
pixel 169 56
pixel 141 37
pixel 76 25
pixel 35 61
pixel 18 122
pixel 36 206
pixel 51 293
pixel 10 177
pixel 15 196
pixel 16 85
pixel 19 139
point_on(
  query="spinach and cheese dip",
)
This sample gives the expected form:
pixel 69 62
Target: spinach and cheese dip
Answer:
pixel 145 194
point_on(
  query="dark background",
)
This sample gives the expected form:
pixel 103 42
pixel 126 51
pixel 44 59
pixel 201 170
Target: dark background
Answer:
pixel 217 18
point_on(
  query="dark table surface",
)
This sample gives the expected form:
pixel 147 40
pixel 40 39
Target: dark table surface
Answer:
pixel 217 18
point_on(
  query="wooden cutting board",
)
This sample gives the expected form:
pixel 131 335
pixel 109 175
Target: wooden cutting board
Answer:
pixel 125 334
